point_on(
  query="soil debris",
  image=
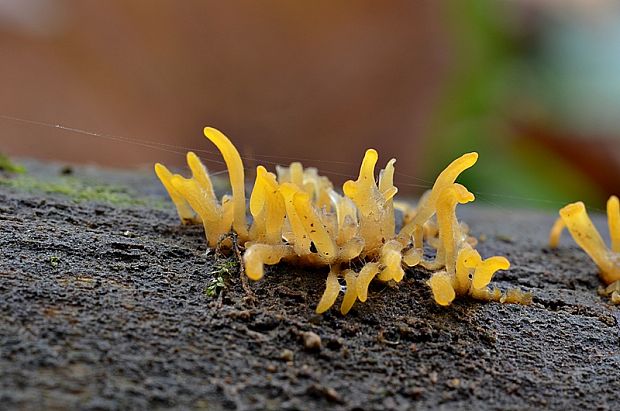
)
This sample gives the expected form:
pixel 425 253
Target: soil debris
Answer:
pixel 312 342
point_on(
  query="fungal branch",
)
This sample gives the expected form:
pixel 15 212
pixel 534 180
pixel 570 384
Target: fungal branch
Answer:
pixel 298 217
pixel 575 217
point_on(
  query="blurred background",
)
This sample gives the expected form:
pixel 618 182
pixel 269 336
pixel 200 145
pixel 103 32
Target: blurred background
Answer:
pixel 532 85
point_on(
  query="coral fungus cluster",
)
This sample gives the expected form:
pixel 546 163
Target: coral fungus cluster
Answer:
pixel 298 217
pixel 575 217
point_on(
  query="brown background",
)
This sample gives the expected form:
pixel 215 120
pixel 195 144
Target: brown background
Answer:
pixel 322 81
pixel 423 81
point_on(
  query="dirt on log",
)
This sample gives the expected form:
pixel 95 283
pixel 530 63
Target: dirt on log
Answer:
pixel 108 303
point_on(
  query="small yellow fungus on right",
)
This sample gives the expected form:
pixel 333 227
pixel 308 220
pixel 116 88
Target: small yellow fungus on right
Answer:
pixel 575 217
pixel 556 232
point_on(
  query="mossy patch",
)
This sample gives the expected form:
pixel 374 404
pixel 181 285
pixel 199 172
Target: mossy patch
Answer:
pixel 9 166
pixel 222 270
pixel 78 190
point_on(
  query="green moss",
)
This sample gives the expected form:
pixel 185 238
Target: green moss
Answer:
pixel 76 189
pixel 9 166
pixel 221 271
pixel 214 287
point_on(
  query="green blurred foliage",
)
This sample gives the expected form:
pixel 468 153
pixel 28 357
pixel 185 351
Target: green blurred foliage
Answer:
pixel 476 114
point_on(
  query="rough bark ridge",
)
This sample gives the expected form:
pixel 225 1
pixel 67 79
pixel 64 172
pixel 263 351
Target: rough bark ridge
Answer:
pixel 110 306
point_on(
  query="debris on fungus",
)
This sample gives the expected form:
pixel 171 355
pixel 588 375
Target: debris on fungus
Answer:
pixel 575 217
pixel 298 217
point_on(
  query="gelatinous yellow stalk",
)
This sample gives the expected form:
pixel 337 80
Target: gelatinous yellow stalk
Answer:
pixel 237 178
pixel 585 234
pixel 332 289
pixel 350 294
pixel 185 211
pixel 316 231
pixel 442 288
pixel 450 235
pixel 346 216
pixel 613 221
pixel 556 232
pixel 575 217
pixel 471 278
pixel 257 255
pixel 366 275
pixel 299 238
pixel 267 208
pixel 204 185
pixel 467 261
pixel 375 209
pixel 391 261
pixel 486 269
pixel 428 204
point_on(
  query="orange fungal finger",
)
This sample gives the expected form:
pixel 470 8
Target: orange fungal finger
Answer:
pixel 351 294
pixel 236 175
pixel 556 232
pixel 332 289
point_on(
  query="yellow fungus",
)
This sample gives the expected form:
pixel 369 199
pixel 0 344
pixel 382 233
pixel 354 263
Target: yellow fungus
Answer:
pixel 375 212
pixel 203 183
pixel 284 174
pixel 297 174
pixel 575 217
pixel 186 214
pixel 412 257
pixel 441 286
pixel 297 216
pixel 466 262
pixel 361 190
pixel 486 269
pixel 516 296
pixel 612 291
pixel 315 229
pixel 346 216
pixel 236 175
pixel 351 294
pixel 200 174
pixel 427 206
pixel 407 210
pixel 257 255
pixel 299 238
pixel 448 225
pixel 332 289
pixel 386 181
pixel 391 259
pixel 494 294
pixel 366 275
pixel 267 208
pixel 191 191
pixel 587 237
pixel 556 232
pixel 351 249
pixel 613 219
